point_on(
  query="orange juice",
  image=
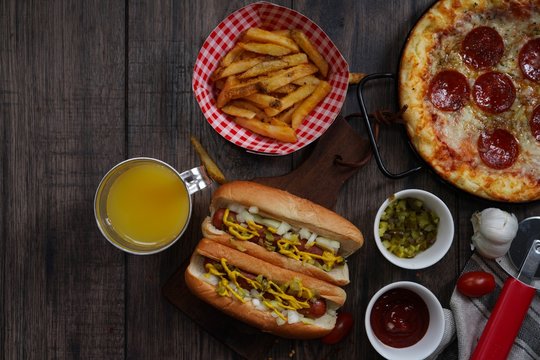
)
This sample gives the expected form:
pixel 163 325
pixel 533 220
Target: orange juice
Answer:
pixel 148 205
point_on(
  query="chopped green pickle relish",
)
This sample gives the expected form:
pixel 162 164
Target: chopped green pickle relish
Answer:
pixel 407 227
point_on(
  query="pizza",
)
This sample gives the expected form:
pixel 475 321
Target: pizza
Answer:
pixel 470 78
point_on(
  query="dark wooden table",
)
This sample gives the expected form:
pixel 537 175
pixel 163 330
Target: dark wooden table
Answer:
pixel 87 84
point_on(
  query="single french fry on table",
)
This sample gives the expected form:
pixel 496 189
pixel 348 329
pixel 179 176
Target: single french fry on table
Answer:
pixel 305 44
pixel 262 36
pixel 211 167
pixel 355 78
pixel 291 99
pixel 281 133
pixel 267 49
pixel 310 103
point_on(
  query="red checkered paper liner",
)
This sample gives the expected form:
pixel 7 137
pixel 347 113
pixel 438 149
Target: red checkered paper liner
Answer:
pixel 225 36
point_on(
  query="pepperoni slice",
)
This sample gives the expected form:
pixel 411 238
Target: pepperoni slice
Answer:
pixel 494 92
pixel 498 149
pixel 529 59
pixel 482 47
pixel 535 123
pixel 449 90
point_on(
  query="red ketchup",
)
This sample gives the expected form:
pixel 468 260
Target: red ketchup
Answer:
pixel 399 318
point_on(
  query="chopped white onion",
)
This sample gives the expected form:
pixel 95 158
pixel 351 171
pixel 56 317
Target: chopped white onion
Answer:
pixel 311 240
pixel 246 216
pixel 269 222
pixel 292 317
pixel 254 293
pixel 274 315
pixel 253 209
pixel 213 279
pixel 328 244
pixel 259 305
pixel 283 228
pixel 236 208
pixel 287 235
pixel 304 233
pixel 280 321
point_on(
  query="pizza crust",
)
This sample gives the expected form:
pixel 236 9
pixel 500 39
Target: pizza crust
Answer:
pixel 447 140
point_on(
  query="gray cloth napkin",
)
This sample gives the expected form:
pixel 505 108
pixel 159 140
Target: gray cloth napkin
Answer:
pixel 471 314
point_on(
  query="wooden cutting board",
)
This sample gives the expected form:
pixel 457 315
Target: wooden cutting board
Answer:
pixel 337 155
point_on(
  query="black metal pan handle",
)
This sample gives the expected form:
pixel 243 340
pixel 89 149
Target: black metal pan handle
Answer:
pixel 374 145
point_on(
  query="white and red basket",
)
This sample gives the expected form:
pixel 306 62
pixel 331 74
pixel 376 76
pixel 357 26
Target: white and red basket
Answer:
pixel 224 37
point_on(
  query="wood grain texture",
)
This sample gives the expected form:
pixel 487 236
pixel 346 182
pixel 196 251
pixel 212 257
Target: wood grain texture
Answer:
pixel 84 85
pixel 63 77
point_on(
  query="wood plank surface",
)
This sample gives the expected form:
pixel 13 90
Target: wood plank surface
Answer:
pixel 87 84
pixel 62 86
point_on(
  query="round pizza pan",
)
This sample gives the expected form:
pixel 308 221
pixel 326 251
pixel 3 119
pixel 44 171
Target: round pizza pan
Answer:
pixel 450 178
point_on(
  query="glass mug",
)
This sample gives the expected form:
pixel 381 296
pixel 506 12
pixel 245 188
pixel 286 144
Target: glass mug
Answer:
pixel 143 205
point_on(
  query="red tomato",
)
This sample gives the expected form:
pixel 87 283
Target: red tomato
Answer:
pixel 343 326
pixel 476 283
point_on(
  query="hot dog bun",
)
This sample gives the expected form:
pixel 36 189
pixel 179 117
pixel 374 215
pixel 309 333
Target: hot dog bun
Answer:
pixel 296 211
pixel 246 311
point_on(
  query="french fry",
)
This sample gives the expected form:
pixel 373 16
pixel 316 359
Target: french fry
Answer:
pixel 265 101
pixel 228 59
pixel 252 107
pixel 310 79
pixel 302 40
pixel 354 78
pixel 286 89
pixel 286 116
pixel 223 96
pixel 287 77
pixel 291 99
pixel 263 36
pixel 238 111
pixel 281 133
pixel 271 80
pixel 211 167
pixel 237 67
pixel 310 103
pixel 272 65
pixel 268 49
pixel 277 122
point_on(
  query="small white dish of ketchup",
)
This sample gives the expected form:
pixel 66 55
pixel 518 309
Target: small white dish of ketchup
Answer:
pixel 404 320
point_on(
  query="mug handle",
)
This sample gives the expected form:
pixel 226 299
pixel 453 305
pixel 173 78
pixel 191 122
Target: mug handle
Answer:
pixel 195 179
pixel 374 145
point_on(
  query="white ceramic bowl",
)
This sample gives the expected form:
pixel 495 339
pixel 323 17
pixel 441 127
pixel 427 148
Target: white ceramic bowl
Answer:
pixel 425 346
pixel 445 231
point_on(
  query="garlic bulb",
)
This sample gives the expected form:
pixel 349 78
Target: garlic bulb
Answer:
pixel 494 230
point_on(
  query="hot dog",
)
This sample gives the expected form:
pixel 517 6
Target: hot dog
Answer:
pixel 282 229
pixel 273 299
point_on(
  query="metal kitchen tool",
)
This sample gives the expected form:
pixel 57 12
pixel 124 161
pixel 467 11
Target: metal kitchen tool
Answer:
pixel 518 291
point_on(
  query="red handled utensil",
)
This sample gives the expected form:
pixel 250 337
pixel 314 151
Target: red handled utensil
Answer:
pixel 513 303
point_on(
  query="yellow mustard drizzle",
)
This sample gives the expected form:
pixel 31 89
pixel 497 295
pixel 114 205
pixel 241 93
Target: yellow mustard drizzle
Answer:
pixel 286 247
pixel 238 230
pixel 283 300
